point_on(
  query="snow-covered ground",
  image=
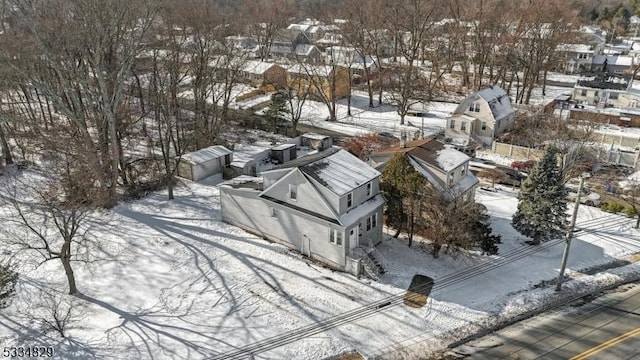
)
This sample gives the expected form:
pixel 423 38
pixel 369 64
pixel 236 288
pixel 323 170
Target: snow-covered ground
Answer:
pixel 364 120
pixel 183 285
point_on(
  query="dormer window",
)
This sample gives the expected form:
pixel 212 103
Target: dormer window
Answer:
pixel 293 192
pixel 474 107
pixel 349 200
pixel 369 189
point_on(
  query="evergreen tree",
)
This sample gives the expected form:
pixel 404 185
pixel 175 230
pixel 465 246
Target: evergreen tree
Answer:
pixel 8 279
pixel 542 204
pixel 277 110
pixel 401 187
pixel 481 232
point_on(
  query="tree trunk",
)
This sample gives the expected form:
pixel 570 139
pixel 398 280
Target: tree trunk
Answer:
pixel 398 230
pixel 6 151
pixel 65 258
pixel 170 187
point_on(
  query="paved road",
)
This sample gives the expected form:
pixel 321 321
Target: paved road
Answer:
pixel 607 328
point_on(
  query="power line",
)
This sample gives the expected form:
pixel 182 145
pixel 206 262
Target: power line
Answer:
pixel 384 303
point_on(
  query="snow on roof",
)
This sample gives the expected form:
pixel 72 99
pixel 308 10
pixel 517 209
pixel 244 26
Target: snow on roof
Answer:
pixel 621 60
pixel 257 67
pixel 450 158
pixel 466 183
pixel 310 69
pixel 340 171
pixel 206 154
pixel 314 136
pixel 361 210
pixel 577 48
pixel 304 49
pixel 498 100
pixel 298 27
pixel 283 147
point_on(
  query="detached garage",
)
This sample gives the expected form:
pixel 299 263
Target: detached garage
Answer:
pixel 204 162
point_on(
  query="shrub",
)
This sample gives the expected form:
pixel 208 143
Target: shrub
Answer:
pixel 612 207
pixel 631 211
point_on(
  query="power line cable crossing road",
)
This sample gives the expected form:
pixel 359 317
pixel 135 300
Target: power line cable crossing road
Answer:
pixel 386 303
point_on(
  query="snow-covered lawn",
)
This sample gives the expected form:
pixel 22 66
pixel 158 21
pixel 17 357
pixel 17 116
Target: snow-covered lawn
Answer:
pixel 383 118
pixel 182 284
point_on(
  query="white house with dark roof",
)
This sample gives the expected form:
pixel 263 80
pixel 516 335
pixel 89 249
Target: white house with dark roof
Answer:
pixel 481 117
pixel 575 58
pixel 326 205
pixel 444 167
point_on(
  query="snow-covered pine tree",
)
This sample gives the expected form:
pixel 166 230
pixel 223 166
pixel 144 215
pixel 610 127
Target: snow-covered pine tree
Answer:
pixel 542 205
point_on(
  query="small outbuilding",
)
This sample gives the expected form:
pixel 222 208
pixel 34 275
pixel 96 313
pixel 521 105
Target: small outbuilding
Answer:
pixel 316 141
pixel 284 153
pixel 205 162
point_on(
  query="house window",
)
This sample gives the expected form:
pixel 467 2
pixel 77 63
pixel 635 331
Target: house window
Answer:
pixel 293 192
pixel 335 236
pixel 462 171
pixel 274 214
pixel 463 126
pixel 595 93
pixel 369 189
pixel 484 125
pixel 452 124
pixel 583 93
pixel 474 107
pixel 349 200
pixel 372 222
pixel 613 96
pixel 450 180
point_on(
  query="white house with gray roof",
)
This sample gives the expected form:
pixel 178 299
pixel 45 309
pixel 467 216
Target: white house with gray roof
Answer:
pixel 444 167
pixel 326 205
pixel 481 117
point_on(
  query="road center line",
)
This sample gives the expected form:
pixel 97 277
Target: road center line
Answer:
pixel 606 344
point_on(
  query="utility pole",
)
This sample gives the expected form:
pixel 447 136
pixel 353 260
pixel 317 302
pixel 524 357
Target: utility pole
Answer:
pixel 565 254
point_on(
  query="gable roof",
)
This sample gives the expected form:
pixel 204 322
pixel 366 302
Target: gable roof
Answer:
pixel 620 60
pixel 498 100
pixel 336 169
pixel 432 152
pixel 206 154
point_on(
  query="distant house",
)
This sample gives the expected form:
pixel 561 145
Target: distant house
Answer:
pixel 320 81
pixel 259 73
pixel 203 163
pixel 244 44
pixel 351 58
pixel 481 117
pixel 575 58
pixel 286 41
pixel 445 168
pixel 605 90
pixel 326 205
pixel 616 64
pixel 307 53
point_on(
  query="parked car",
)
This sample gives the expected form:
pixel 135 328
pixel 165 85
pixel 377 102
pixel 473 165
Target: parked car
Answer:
pixel 513 177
